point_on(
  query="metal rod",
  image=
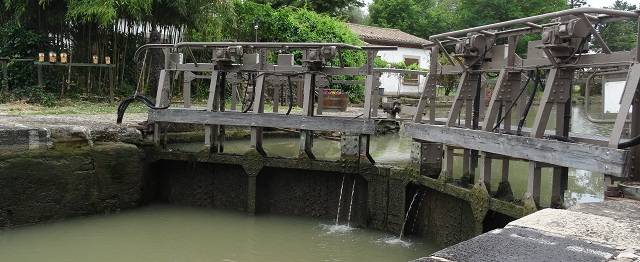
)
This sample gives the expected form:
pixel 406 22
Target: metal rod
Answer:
pixel 576 12
pixel 596 34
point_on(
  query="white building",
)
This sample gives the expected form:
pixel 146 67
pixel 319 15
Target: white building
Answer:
pixel 409 51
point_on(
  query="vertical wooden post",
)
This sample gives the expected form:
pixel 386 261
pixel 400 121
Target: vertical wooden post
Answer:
pixel 533 183
pixel 221 107
pixel 258 108
pixel 306 136
pixel 211 132
pixel 447 164
pixel 162 100
pixel 375 96
pixel 560 174
pixel 186 88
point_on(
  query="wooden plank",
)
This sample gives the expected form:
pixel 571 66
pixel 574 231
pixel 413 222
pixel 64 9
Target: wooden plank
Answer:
pixel 575 155
pixel 314 123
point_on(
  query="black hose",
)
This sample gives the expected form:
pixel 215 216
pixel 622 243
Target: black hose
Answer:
pixel 527 108
pixel 631 143
pixel 122 107
pixel 290 95
pixel 253 97
pixel 513 103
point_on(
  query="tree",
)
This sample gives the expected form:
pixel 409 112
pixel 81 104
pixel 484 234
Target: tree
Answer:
pixel 620 35
pixel 418 17
pixel 427 17
pixel 576 3
pixel 84 28
pixel 321 6
pixel 481 12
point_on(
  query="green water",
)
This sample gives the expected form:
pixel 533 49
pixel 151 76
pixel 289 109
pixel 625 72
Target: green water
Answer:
pixel 168 233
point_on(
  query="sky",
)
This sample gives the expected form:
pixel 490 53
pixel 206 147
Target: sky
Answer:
pixel 592 3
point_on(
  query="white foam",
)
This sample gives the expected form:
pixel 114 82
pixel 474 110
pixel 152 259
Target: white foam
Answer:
pixel 395 241
pixel 337 229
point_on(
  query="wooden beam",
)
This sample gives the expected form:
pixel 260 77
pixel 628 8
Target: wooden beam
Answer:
pixel 336 124
pixel 575 155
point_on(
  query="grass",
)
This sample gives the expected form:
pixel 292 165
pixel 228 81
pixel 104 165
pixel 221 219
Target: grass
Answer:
pixel 77 107
pixel 67 107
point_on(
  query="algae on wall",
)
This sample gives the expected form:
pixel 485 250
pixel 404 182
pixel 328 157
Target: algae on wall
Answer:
pixel 39 186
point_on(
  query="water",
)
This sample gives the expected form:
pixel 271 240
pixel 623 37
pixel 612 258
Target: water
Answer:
pixel 340 201
pixel 353 190
pixel 406 216
pixel 169 233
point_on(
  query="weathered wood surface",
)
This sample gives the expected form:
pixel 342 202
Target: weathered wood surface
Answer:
pixel 315 123
pixel 574 155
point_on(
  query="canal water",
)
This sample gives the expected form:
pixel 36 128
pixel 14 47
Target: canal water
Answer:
pixel 169 233
pixel 172 233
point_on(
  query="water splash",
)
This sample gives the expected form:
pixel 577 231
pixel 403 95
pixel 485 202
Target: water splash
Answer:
pixel 394 241
pixel 353 189
pixel 415 218
pixel 336 229
pixel 406 216
pixel 340 200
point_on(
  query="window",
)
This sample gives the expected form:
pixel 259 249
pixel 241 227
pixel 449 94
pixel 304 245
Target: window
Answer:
pixel 411 79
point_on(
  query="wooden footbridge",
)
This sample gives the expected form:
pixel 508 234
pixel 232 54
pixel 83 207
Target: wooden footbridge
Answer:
pixel 483 134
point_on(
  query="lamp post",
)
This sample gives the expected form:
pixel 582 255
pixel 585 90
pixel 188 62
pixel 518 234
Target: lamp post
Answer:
pixel 255 29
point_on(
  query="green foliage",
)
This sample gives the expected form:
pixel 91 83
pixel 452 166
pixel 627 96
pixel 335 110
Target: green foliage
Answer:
pixel 379 63
pixel 418 17
pixel 480 12
pixel 620 35
pixel 320 6
pixel 428 17
pixel 16 42
pixel 576 3
pixel 286 24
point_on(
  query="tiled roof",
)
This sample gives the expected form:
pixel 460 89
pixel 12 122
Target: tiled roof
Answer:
pixel 386 36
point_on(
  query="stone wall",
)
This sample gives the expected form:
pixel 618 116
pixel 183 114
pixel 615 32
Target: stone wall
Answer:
pixel 43 185
pixel 201 184
pixel 311 193
pixel 443 219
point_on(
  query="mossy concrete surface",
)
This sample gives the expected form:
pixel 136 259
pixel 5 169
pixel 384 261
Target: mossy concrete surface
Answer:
pixel 43 185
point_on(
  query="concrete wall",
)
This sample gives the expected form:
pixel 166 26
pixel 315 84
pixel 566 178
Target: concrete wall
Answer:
pixel 39 186
pixel 392 83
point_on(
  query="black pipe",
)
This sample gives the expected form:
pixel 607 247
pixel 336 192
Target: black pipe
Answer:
pixel 290 95
pixel 122 107
pixel 631 143
pixel 513 103
pixel 536 83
